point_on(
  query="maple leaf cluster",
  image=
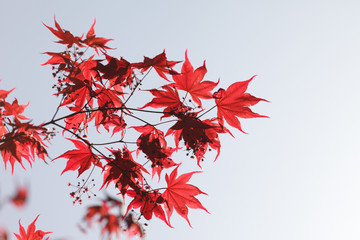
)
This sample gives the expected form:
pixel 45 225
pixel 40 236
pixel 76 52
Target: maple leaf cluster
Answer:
pixel 109 216
pixel 19 138
pixel 95 90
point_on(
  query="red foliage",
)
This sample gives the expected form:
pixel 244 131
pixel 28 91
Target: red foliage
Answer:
pixel 160 63
pixel 107 215
pixel 23 142
pixel 18 139
pixel 95 42
pixel 192 81
pixel 234 102
pixel 30 233
pixel 110 222
pixel 97 90
pixel 15 110
pixel 152 142
pixel 196 134
pixel 19 199
pixel 180 195
pixel 117 71
pixel 65 36
pixel 81 158
pixel 169 98
pixel 123 171
pixel 150 203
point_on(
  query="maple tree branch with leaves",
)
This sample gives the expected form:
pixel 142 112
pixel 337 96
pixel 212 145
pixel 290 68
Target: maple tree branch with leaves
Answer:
pixel 92 86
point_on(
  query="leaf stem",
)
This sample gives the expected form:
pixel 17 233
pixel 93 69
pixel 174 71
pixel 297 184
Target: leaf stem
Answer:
pixel 207 111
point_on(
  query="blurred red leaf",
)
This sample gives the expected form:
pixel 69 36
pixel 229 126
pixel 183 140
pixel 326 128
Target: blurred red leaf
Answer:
pixel 3 234
pixel 133 227
pixel 112 225
pixel 102 214
pixel 19 199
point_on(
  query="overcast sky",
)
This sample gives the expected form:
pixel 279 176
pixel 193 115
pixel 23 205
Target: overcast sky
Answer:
pixel 294 176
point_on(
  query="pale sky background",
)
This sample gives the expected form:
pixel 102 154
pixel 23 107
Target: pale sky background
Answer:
pixel 295 176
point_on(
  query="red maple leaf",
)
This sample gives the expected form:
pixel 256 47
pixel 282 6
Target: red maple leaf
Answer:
pixel 78 90
pixel 15 110
pixel 118 72
pixel 4 93
pixel 180 195
pixel 152 142
pixel 87 68
pixel 149 203
pixel 65 37
pixel 169 98
pixel 58 58
pixel 213 138
pixel 95 42
pixel 81 158
pixel 198 135
pixel 76 120
pixel 108 100
pixel 192 81
pixel 30 234
pixel 123 171
pixel 102 118
pixel 160 63
pixel 234 102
